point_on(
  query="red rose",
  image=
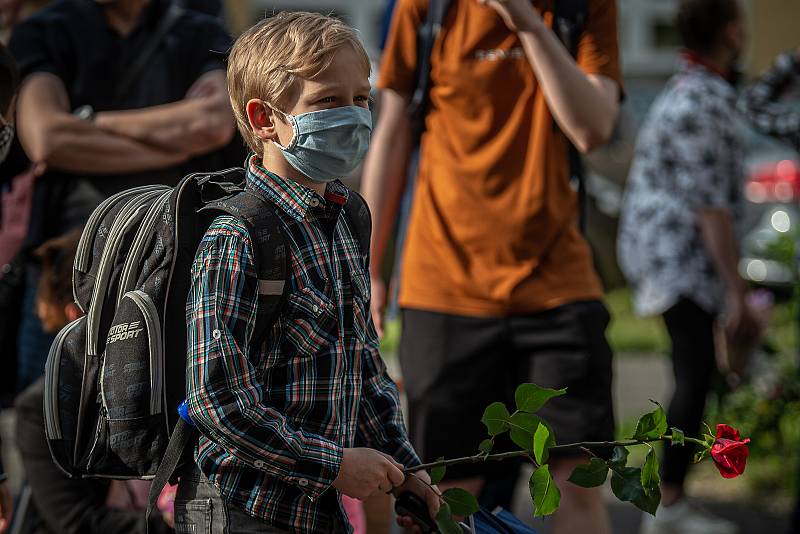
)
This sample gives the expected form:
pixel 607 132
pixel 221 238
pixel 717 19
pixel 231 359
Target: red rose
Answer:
pixel 730 451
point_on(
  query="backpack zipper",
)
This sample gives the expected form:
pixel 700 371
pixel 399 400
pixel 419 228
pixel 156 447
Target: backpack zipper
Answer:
pixel 124 220
pixel 142 237
pixel 85 243
pixel 145 304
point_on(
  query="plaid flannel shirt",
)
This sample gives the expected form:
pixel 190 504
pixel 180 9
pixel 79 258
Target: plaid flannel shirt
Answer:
pixel 274 419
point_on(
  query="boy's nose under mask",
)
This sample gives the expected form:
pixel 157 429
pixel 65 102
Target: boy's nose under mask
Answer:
pixel 330 143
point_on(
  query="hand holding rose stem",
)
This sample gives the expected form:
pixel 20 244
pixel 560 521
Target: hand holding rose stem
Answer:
pixel 639 486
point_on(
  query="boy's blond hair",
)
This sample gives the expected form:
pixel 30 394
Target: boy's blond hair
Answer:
pixel 267 59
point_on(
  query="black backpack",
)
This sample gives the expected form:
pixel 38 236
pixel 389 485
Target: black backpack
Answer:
pixel 115 377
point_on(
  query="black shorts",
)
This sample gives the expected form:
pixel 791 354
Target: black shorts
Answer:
pixel 455 366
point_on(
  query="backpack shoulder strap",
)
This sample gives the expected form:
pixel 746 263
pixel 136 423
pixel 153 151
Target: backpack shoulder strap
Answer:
pixel 270 254
pixel 426 36
pixel 570 18
pixel 360 219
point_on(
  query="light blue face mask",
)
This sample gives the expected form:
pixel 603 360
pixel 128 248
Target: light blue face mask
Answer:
pixel 330 143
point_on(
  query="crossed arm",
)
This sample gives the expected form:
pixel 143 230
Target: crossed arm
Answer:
pixel 121 141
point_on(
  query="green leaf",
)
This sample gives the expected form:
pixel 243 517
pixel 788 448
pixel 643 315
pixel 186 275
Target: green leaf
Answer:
pixel 530 397
pixel 651 425
pixel 461 502
pixel 649 503
pixel 546 496
pixel 619 458
pixel 542 441
pixel 650 479
pixel 437 473
pixel 486 447
pixel 626 483
pixel 590 475
pixel 678 437
pixel 495 417
pixel 523 426
pixel 445 521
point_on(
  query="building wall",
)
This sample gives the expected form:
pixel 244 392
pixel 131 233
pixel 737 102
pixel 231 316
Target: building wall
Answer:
pixel 364 15
pixel 774 28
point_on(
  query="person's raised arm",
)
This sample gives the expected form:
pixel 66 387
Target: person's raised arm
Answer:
pixel 585 106
pixel 53 137
pixel 761 105
pixel 382 183
pixel 195 125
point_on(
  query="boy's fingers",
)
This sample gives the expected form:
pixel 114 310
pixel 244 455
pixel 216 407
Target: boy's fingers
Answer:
pixel 394 462
pixel 408 523
pixel 433 502
pixel 395 475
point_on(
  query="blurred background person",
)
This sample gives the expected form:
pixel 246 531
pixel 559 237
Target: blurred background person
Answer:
pixel 53 503
pixel 9 79
pixel 678 245
pixel 14 11
pixel 495 268
pixel 114 95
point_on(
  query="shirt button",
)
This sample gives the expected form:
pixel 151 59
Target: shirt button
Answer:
pixel 302 482
pixel 216 334
pixel 258 463
pixel 313 202
pixel 315 308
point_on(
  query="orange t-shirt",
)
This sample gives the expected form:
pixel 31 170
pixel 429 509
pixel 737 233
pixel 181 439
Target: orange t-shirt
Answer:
pixel 493 228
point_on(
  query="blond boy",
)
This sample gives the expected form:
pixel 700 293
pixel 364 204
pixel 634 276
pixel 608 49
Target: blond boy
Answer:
pixel 280 423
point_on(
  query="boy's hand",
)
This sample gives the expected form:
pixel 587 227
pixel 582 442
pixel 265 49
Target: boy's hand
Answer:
pixel 365 471
pixel 419 483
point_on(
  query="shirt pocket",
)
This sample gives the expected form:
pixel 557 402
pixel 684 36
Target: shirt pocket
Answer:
pixel 311 322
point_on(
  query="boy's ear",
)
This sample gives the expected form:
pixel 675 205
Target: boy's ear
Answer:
pixel 261 118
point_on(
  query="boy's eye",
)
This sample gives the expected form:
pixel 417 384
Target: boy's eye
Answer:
pixel 327 100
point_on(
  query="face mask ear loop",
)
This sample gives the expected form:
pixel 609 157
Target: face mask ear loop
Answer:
pixel 295 133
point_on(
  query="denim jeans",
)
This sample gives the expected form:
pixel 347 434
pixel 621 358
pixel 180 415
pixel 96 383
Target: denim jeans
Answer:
pixel 200 509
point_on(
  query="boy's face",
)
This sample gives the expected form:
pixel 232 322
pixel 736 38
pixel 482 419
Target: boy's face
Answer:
pixel 343 83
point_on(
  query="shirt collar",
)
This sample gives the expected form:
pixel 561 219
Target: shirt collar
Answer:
pixel 288 195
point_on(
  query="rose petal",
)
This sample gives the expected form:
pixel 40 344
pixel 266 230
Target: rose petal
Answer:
pixel 728 432
pixel 730 457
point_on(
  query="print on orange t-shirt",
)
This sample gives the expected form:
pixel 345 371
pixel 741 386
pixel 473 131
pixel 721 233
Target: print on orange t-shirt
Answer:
pixel 493 228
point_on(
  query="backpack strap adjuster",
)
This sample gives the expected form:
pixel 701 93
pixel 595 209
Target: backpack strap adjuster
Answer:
pixel 271 287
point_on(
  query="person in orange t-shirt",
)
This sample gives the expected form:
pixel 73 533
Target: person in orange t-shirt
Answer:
pixel 497 285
